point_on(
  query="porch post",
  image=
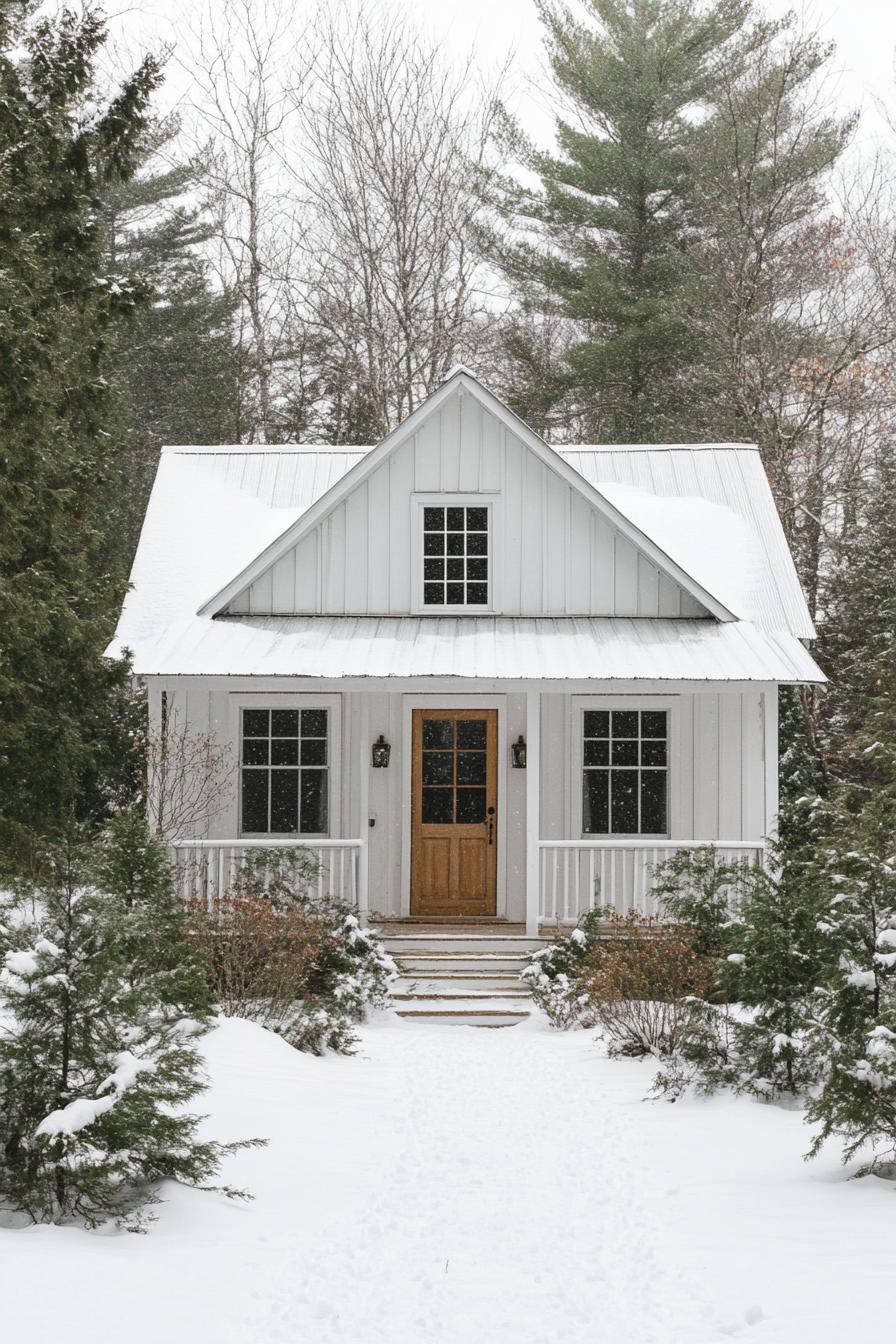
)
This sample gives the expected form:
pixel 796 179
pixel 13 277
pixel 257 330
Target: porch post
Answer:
pixel 363 765
pixel 533 809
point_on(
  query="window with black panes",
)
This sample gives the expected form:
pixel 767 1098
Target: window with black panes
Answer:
pixel 284 771
pixel 625 772
pixel 455 555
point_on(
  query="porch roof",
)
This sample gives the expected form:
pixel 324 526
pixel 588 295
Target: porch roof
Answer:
pixel 479 648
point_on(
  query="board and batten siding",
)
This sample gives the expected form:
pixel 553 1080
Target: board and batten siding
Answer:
pixel 554 554
pixel 722 784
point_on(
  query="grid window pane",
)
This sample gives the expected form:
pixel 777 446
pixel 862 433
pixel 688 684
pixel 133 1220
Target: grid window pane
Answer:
pixel 470 807
pixel 625 785
pixel 437 806
pixel 279 794
pixel 455 556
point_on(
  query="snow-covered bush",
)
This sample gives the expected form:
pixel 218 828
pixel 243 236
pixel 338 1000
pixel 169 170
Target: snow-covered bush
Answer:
pixel 640 983
pixel 295 962
pixel 552 974
pixel 96 1064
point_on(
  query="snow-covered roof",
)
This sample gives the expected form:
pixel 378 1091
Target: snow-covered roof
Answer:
pixel 495 647
pixel 214 510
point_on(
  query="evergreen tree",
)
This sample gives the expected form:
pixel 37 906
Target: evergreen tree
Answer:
pixel 610 220
pixel 63 564
pixel 95 1067
pixel 175 361
pixel 859 628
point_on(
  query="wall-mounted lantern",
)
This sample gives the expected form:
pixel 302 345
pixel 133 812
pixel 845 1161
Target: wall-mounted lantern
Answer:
pixel 380 752
pixel 518 753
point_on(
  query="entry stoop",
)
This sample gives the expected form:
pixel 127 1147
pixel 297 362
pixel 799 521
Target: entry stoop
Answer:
pixel 459 975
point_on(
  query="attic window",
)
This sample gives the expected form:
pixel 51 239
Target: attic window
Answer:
pixel 455 555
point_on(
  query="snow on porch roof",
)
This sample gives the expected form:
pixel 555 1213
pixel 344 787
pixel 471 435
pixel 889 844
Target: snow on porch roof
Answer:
pixel 497 647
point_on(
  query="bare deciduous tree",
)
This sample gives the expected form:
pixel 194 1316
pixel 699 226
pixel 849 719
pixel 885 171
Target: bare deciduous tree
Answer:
pixel 190 779
pixel 393 283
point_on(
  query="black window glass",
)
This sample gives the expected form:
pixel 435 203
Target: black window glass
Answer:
pixel 454 569
pixel 477 594
pixel 284 801
pixel 477 520
pixel 597 723
pixel 625 759
pixel 278 794
pixel 455 520
pixel 284 751
pixel 314 802
pixel 256 722
pixel 653 802
pixel 454 594
pixel 255 800
pixel 477 543
pixel 597 810
pixel 284 723
pixel 625 723
pixel 434 569
pixel 454 543
pixel 434 594
pixel 433 519
pixel 434 543
pixel 255 751
pixel 314 723
pixel 437 806
pixel 477 569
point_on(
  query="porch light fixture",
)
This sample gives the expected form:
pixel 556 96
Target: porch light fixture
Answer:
pixel 380 752
pixel 518 753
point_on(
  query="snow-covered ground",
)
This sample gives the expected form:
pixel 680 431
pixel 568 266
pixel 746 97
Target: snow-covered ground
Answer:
pixel 461 1185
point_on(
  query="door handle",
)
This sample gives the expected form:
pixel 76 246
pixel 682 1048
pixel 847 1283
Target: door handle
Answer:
pixel 491 825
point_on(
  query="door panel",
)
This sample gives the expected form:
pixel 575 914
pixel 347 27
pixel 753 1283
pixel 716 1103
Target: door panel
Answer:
pixel 454 832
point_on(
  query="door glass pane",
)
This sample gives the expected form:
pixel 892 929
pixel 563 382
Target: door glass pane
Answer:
pixel 653 802
pixel 438 733
pixel 624 802
pixel 437 767
pixel 470 806
pixel 596 802
pixel 314 801
pixel 437 807
pixel 471 767
pixel 471 733
pixel 284 801
pixel 255 800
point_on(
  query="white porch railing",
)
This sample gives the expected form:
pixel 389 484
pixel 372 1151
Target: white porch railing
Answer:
pixel 205 869
pixel 579 875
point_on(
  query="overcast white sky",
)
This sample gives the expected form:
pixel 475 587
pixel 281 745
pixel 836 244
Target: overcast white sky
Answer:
pixel 864 31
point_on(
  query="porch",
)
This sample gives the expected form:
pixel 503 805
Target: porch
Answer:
pixel 571 878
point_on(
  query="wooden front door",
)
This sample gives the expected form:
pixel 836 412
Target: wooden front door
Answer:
pixel 454 798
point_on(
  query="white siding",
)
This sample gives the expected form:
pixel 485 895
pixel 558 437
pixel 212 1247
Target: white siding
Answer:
pixel 553 554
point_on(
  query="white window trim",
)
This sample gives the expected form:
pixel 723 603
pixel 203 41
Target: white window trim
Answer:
pixel 447 499
pixel 668 703
pixel 291 700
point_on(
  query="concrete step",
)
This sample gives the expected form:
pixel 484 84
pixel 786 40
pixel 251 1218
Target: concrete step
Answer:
pixel 469 1015
pixel 460 963
pixel 399 943
pixel 446 995
pixel 498 983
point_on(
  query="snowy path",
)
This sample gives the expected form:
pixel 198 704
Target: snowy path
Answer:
pixel 456 1186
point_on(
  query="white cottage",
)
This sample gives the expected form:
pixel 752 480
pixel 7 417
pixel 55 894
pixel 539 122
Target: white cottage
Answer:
pixel 479 676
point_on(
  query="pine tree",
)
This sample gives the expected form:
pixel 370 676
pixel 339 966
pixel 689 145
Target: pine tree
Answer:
pixel 63 566
pixel 857 634
pixel 175 360
pixel 610 220
pixel 95 1067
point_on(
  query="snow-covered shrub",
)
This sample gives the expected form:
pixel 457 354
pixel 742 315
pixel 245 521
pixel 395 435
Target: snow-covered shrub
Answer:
pixel 640 983
pixel 552 974
pixel 295 962
pixel 96 1065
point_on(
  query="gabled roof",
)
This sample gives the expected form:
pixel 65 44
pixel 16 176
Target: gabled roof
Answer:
pixel 463 382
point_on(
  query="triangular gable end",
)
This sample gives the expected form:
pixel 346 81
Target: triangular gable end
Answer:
pixel 448 432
